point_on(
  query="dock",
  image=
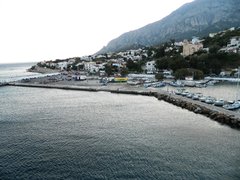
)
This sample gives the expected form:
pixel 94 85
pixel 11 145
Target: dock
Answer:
pixel 221 115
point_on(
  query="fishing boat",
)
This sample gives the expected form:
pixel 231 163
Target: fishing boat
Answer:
pixel 234 106
pixel 179 91
pixel 189 95
pixel 219 102
pixel 185 93
pixel 159 84
pixel 202 99
pixel 176 84
pixel 196 96
pixel 210 100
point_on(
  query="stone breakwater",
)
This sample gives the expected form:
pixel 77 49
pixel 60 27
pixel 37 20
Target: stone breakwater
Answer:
pixel 218 114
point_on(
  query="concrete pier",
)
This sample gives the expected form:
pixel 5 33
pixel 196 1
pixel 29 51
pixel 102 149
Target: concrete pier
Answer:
pixel 218 114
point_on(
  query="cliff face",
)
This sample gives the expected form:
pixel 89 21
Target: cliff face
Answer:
pixel 193 19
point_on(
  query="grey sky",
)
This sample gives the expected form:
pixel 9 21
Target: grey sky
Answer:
pixel 35 30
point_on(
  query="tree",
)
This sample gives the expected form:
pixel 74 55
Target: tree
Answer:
pixel 108 69
pixel 162 63
pixel 160 52
pixel 124 71
pixel 184 72
pixel 214 49
pixel 134 66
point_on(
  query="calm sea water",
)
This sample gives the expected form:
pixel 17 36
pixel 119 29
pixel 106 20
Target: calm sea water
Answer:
pixel 60 134
pixel 13 72
pixel 57 134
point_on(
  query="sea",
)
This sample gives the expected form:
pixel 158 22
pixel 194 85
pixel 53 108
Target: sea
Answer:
pixel 64 134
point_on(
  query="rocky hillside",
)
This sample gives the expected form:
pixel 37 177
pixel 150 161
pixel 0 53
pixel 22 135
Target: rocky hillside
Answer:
pixel 193 19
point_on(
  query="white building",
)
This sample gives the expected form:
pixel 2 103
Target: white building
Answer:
pixel 62 65
pixel 233 46
pixel 150 67
pixel 92 67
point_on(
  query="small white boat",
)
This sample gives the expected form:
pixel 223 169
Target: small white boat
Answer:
pixel 210 100
pixel 189 95
pixel 196 96
pixel 203 98
pixel 219 102
pixel 133 82
pixel 179 91
pixel 176 84
pixel 159 84
pixel 184 93
pixel 234 106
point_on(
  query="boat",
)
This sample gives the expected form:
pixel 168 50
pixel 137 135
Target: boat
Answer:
pixel 210 100
pixel 189 95
pixel 190 83
pixel 212 82
pixel 159 84
pixel 201 85
pixel 185 93
pixel 176 84
pixel 219 102
pixel 133 82
pixel 234 106
pixel 196 96
pixel 202 99
pixel 179 91
pixel 146 85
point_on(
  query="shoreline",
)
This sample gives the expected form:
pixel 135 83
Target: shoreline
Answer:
pixel 218 114
pixel 41 70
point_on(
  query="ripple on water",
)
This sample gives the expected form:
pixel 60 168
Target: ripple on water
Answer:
pixel 82 135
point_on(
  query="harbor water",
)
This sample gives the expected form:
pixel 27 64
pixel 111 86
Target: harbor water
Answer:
pixel 64 134
pixel 60 134
pixel 14 72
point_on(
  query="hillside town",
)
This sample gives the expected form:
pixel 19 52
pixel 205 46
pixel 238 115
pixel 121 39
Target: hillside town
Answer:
pixel 171 60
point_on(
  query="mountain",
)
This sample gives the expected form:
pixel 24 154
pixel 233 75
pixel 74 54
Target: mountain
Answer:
pixel 197 18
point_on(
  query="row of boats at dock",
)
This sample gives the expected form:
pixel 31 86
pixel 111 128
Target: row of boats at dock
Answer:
pixel 229 105
pixel 198 84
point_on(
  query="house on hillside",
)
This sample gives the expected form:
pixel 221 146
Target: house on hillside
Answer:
pixel 190 48
pixel 62 65
pixel 233 46
pixel 150 67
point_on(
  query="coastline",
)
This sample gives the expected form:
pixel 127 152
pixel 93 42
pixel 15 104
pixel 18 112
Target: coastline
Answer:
pixel 218 114
pixel 41 70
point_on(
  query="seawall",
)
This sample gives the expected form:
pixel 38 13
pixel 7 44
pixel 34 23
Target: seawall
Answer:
pixel 218 114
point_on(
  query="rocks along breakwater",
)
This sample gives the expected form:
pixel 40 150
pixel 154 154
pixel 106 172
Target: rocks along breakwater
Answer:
pixel 218 114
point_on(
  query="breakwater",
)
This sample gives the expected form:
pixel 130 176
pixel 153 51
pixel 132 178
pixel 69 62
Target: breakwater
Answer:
pixel 3 84
pixel 218 114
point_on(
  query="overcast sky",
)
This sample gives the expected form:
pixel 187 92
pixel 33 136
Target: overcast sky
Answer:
pixel 35 30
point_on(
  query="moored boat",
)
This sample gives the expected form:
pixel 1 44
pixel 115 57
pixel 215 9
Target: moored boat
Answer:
pixel 219 102
pixel 234 106
pixel 203 98
pixel 179 91
pixel 196 96
pixel 210 100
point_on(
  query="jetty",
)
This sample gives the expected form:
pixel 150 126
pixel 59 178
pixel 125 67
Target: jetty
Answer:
pixel 3 84
pixel 223 116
